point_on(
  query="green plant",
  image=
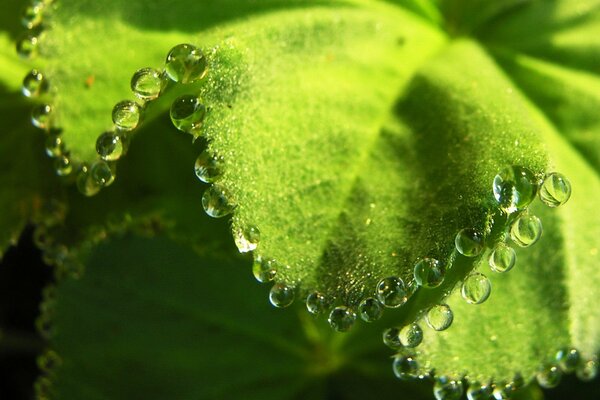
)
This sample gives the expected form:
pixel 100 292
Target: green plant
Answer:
pixel 352 140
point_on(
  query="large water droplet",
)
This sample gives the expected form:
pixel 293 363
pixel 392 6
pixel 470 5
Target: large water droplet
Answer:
pixel 588 370
pixel 281 295
pixel 549 376
pixel 556 190
pixel 216 202
pixel 503 258
pixel 63 165
pixel 478 391
pixel 147 83
pixel 41 116
pixel 526 230
pixel 447 389
pixel 429 272
pixel 405 367
pixel 264 270
pixel 55 146
pixel 370 309
pixel 316 303
pixel 186 64
pixel 126 115
pixel 469 242
pixel 102 173
pixel 34 84
pixel 439 317
pixel 32 16
pixel 514 188
pixel 568 360
pixel 85 184
pixel 391 338
pixel 109 146
pixel 341 318
pixel 187 114
pixel 476 288
pixel 27 46
pixel 246 239
pixel 391 292
pixel 411 335
pixel 208 168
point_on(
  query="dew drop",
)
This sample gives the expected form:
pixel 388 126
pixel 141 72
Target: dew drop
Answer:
pixel 32 16
pixel 439 317
pixel 469 242
pixel 264 270
pixel 41 116
pixel 568 360
pixel 246 239
pixel 216 202
pixel 54 145
pixel 186 64
pixel 588 370
pixel 526 230
pixel 341 318
pixel 478 391
pixel 102 173
pixel 34 84
pixel 281 295
pixel 503 391
pixel 476 288
pixel 109 146
pixel 208 168
pixel 556 190
pixel 48 361
pixel 63 166
pixel 549 376
pixel 187 114
pixel 126 115
pixel 503 258
pixel 147 83
pixel 85 184
pixel 514 188
pixel 370 309
pixel 391 338
pixel 391 292
pixel 411 335
pixel 405 367
pixel 447 389
pixel 429 272
pixel 316 303
pixel 27 46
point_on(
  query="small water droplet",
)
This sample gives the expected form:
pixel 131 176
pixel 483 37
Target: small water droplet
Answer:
pixel 186 64
pixel 62 165
pixel 147 83
pixel 549 376
pixel 370 309
pixel 478 391
pixel 588 370
pixel 126 115
pixel 32 16
pixel 503 391
pixel 246 239
pixel 34 84
pixel 264 270
pixel 568 360
pixel 54 145
pixel 187 114
pixel 27 46
pixel 391 338
pixel 503 258
pixel 281 295
pixel 41 116
pixel 514 188
pixel 208 168
pixel 391 292
pixel 411 335
pixel 439 317
pixel 469 242
pixel 316 303
pixel 102 173
pixel 85 184
pixel 405 367
pixel 526 230
pixel 429 272
pixel 447 389
pixel 476 288
pixel 216 202
pixel 109 146
pixel 556 190
pixel 48 361
pixel 341 318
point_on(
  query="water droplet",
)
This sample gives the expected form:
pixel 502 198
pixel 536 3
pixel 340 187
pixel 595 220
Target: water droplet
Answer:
pixel 391 292
pixel 514 188
pixel 568 360
pixel 405 367
pixel 478 391
pixel 370 309
pixel 476 288
pixel 447 389
pixel 48 361
pixel 41 116
pixel 316 303
pixel 503 258
pixel 32 16
pixel 85 184
pixel 391 338
pixel 429 272
pixel 147 83
pixel 34 84
pixel 503 391
pixel 109 146
pixel 281 295
pixel 556 190
pixel 186 64
pixel 208 168
pixel 187 114
pixel 341 318
pixel 102 173
pixel 411 335
pixel 549 376
pixel 216 202
pixel 27 46
pixel 246 239
pixel 54 145
pixel 63 166
pixel 126 115
pixel 526 230
pixel 588 371
pixel 264 270
pixel 439 317
pixel 469 242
